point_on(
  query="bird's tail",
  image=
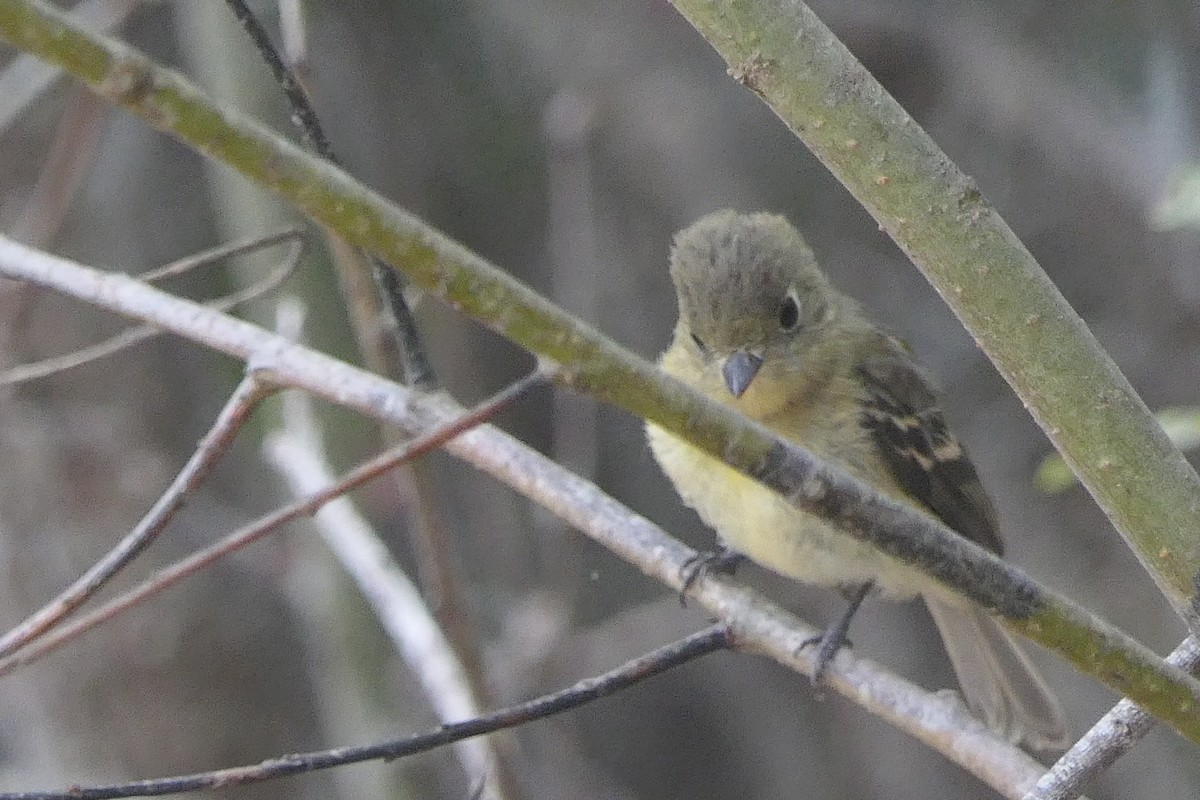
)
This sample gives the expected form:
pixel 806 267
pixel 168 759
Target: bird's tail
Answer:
pixel 999 682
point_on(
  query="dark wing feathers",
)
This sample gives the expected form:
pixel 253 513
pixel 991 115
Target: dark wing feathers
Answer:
pixel 901 413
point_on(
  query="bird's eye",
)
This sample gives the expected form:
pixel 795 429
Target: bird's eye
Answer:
pixel 699 342
pixel 789 314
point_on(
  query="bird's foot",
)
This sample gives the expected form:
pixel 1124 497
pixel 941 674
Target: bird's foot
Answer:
pixel 723 561
pixel 828 643
pixel 834 637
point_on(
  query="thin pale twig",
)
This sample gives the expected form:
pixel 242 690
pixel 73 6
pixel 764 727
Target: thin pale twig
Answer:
pixel 298 454
pixel 169 576
pixel 37 370
pixel 1112 737
pixel 293 31
pixel 221 252
pixel 241 404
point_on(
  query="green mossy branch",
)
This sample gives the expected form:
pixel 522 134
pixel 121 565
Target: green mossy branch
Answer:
pixel 593 363
pixel 781 51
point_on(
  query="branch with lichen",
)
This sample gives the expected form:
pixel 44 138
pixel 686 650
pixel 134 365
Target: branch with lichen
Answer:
pixel 781 51
pixel 592 363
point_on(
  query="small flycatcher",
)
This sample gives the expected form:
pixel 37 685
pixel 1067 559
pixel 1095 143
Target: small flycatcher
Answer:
pixel 760 329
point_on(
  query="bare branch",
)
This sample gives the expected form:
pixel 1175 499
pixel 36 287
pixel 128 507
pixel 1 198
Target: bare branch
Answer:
pixel 939 720
pixel 1112 737
pixel 140 333
pixel 237 410
pixel 297 453
pixel 224 251
pixel 436 436
pixel 709 640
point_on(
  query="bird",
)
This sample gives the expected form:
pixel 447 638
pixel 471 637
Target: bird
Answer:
pixel 762 330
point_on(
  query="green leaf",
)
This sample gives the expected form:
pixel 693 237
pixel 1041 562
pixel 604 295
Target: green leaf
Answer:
pixel 1181 424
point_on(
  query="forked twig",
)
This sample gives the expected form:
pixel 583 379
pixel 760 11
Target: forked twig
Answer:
pixel 36 370
pixel 238 408
pixel 168 577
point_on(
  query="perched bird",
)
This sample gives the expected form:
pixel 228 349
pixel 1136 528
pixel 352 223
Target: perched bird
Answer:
pixel 761 329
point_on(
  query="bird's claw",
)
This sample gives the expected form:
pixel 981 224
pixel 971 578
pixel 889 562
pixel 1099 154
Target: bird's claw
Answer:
pixel 721 561
pixel 828 644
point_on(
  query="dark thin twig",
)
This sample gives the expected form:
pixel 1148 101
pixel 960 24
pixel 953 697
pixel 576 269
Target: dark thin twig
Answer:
pixel 303 114
pixel 713 638
pixel 418 372
pixel 393 350
pixel 238 408
pixel 168 577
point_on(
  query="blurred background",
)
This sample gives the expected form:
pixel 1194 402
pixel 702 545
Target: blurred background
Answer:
pixel 565 141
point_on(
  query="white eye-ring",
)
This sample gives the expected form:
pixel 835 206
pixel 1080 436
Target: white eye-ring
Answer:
pixel 789 313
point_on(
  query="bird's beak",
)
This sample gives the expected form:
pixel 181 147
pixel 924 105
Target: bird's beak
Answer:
pixel 739 369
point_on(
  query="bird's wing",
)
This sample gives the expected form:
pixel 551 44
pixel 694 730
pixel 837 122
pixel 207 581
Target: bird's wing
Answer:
pixel 901 413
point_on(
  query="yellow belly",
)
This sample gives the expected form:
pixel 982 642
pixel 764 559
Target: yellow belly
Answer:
pixel 755 521
pixel 761 525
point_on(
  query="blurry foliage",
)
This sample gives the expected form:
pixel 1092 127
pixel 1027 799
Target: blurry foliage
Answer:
pixel 1181 424
pixel 1180 205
